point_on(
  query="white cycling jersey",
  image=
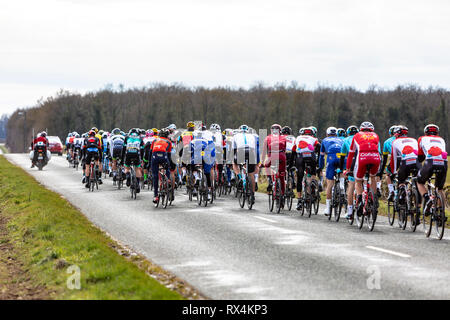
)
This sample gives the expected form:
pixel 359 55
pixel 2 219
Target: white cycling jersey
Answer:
pixel 433 147
pixel 305 145
pixel 404 148
pixel 244 140
pixel 290 143
pixel 78 142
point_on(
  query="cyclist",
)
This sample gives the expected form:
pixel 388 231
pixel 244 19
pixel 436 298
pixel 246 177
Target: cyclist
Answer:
pixel 184 143
pixel 218 142
pixel 92 153
pixel 331 146
pixel 159 153
pixel 387 147
pixel 305 149
pixel 432 151
pixel 147 141
pixel 366 146
pixel 290 143
pixel 351 132
pixel 173 153
pixel 246 148
pixel 229 154
pixel 116 149
pixel 78 144
pixel 404 160
pixel 274 152
pixel 203 153
pixel 133 154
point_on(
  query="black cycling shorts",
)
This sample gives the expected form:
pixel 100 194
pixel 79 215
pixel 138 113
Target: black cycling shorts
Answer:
pixel 405 170
pixel 92 155
pixel 133 159
pixel 426 172
pixel 243 155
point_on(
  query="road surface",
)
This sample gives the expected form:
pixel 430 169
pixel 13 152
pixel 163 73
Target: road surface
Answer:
pixel 232 253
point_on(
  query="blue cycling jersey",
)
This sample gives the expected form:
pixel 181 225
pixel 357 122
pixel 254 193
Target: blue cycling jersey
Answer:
pixel 331 146
pixel 387 146
pixel 203 150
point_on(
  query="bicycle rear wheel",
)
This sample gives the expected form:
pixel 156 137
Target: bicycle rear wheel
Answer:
pixel 315 194
pixel 414 211
pixel 278 196
pixel 427 222
pixel 241 194
pixel 439 216
pixel 359 218
pixel 371 216
pixel 391 212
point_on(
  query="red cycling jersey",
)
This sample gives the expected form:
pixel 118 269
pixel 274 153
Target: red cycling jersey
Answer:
pixel 367 146
pixel 40 139
pixel 161 145
pixel 275 149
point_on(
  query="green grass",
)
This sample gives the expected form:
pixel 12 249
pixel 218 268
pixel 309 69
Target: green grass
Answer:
pixel 44 229
pixel 3 148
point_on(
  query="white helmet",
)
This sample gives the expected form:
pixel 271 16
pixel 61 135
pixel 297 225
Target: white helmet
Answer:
pixel 366 126
pixel 214 127
pixel 331 131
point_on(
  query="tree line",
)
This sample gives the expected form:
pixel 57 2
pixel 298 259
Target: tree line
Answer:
pixel 259 107
pixel 3 124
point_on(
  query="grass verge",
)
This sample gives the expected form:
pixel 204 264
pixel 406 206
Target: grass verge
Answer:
pixel 3 148
pixel 48 235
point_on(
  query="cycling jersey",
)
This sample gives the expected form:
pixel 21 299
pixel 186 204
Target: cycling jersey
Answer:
pixel 203 151
pixel 133 144
pixel 404 150
pixel 161 145
pixel 367 147
pixel 387 146
pixel 433 148
pixel 305 146
pixel 331 146
pixel 345 149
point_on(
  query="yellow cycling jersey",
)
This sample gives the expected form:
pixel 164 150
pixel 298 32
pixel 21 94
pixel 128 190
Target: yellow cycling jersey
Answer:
pixel 99 137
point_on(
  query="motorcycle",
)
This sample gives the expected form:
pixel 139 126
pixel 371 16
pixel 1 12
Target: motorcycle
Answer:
pixel 43 156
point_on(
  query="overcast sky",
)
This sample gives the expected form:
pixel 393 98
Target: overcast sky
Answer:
pixel 82 45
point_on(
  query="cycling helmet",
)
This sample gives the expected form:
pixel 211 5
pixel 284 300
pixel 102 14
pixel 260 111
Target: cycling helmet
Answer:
pixel 95 129
pixel 431 130
pixel 275 128
pixel 214 127
pixel 228 132
pixel 400 131
pixel 77 136
pixel 101 132
pixel 203 126
pixel 43 134
pixel 286 131
pixel 122 133
pixel 149 133
pixel 308 131
pixel 341 132
pixel 331 131
pixel 91 133
pixel 392 129
pixel 105 135
pixel 314 129
pixel 172 127
pixel 133 131
pixel 244 128
pixel 164 133
pixel 352 130
pixel 115 131
pixel 190 124
pixel 366 126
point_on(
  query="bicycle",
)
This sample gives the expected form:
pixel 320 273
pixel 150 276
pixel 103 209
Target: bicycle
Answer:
pixel 93 177
pixel 202 192
pixel 290 186
pixel 408 204
pixel 392 205
pixel 244 188
pixel 369 211
pixel 276 197
pixel 338 199
pixel 133 185
pixel 76 162
pixel 163 187
pixel 434 213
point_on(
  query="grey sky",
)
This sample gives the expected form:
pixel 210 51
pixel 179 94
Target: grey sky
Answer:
pixel 82 45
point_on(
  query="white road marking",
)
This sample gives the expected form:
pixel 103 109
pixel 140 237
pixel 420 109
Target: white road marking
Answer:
pixel 399 254
pixel 265 219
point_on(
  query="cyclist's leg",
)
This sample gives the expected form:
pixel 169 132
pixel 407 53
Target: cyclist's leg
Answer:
pixel 329 174
pixel 155 169
pixel 300 165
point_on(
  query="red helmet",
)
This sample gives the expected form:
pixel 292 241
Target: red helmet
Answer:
pixel 91 133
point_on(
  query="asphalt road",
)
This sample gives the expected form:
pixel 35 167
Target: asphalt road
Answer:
pixel 232 253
